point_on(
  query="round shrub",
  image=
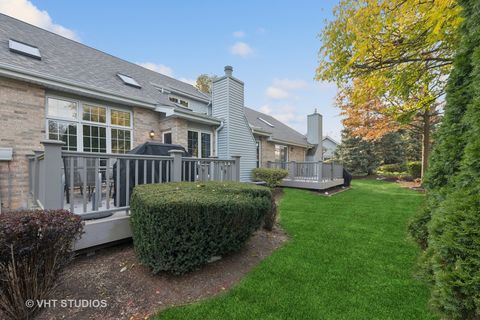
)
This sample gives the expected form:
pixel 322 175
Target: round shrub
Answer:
pixel 271 176
pixel 414 169
pixel 34 246
pixel 178 227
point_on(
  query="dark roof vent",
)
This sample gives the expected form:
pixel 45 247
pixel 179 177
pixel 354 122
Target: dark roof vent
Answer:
pixel 24 49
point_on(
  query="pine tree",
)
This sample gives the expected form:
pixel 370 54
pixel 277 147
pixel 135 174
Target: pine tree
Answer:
pixel 390 149
pixel 357 155
pixel 449 139
pixel 453 185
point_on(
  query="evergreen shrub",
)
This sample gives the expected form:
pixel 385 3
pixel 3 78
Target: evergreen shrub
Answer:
pixel 178 227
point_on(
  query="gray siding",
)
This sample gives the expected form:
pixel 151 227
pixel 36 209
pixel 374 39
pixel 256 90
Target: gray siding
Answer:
pixel 236 137
pixel 314 135
pixel 330 148
pixel 199 107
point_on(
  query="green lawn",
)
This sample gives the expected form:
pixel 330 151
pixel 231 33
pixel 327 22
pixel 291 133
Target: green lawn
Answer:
pixel 348 258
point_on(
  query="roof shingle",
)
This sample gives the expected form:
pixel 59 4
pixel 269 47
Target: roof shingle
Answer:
pixel 279 131
pixel 76 62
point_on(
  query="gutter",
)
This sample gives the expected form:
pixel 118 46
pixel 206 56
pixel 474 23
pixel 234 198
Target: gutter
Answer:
pixel 188 115
pixel 222 124
pixel 71 86
pixel 169 89
pixel 290 143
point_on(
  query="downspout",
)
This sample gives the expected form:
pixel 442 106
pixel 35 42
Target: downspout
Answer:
pixel 216 136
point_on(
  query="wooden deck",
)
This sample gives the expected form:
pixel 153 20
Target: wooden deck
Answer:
pixel 311 184
pixel 310 175
pixel 105 230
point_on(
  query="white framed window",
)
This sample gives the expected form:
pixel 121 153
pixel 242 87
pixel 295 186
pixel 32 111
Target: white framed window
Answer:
pixel 199 143
pixel 180 101
pixel 62 108
pixel 206 144
pixel 167 137
pixel 281 153
pixel 64 131
pixel 88 127
pixel 259 152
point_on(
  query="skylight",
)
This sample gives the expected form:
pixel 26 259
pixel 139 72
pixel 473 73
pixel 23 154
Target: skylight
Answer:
pixel 129 80
pixel 265 121
pixel 24 49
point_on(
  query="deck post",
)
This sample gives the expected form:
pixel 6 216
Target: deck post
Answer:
pixel 52 184
pixel 177 165
pixel 237 167
pixel 319 172
pixel 36 175
pixel 293 170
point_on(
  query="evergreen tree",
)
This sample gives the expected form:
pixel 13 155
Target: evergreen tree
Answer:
pixel 412 141
pixel 390 149
pixel 357 155
pixel 453 185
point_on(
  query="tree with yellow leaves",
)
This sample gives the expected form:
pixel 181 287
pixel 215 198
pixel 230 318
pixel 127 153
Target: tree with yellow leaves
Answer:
pixel 391 61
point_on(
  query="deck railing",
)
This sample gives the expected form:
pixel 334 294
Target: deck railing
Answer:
pixel 96 184
pixel 309 170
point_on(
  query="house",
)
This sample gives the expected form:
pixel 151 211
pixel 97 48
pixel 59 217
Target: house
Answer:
pixel 330 146
pixel 276 141
pixel 57 89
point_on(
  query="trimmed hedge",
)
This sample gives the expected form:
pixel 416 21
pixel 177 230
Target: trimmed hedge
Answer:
pixel 34 246
pixel 178 227
pixel 271 176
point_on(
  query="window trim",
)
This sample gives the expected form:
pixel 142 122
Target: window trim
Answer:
pixel 179 101
pixel 80 122
pixel 93 122
pixel 166 132
pixel 259 153
pixel 286 153
pixel 58 117
pixel 199 132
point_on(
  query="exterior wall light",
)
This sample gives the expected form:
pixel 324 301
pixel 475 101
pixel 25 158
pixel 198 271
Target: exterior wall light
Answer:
pixel 152 134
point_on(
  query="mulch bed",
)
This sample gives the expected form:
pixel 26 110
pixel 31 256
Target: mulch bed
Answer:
pixel 131 291
pixel 331 191
pixel 413 185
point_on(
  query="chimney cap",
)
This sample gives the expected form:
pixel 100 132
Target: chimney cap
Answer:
pixel 228 70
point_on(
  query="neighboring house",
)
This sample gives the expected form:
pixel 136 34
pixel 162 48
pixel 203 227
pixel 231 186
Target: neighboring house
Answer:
pixel 330 145
pixel 58 89
pixel 278 142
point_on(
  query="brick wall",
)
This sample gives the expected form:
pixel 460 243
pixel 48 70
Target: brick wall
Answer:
pixel 296 153
pixel 22 123
pixel 145 120
pixel 268 152
pixel 179 128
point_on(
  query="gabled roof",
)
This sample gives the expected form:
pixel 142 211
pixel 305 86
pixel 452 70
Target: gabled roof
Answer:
pixel 280 132
pixel 327 137
pixel 70 62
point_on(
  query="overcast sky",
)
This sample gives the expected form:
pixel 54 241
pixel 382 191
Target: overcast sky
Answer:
pixel 272 45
